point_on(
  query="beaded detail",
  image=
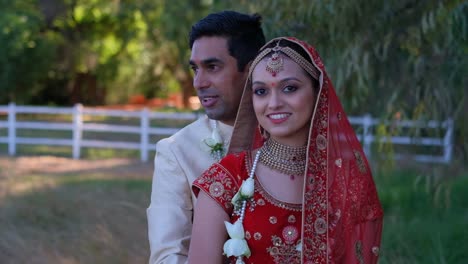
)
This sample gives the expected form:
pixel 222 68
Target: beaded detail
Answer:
pixel 285 159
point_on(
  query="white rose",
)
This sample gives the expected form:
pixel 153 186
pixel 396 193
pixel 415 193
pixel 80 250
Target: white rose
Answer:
pixel 247 188
pixel 235 230
pixel 236 247
pixel 216 136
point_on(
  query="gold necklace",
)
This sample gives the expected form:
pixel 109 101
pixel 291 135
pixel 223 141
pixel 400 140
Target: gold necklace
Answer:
pixel 285 159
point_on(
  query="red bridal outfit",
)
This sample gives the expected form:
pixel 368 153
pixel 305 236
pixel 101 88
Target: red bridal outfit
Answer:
pixel 340 218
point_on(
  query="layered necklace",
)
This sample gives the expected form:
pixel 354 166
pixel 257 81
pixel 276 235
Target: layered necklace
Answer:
pixel 285 159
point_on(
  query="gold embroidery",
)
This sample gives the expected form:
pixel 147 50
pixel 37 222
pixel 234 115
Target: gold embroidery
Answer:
pixel 321 142
pixel 273 220
pixel 323 246
pixel 257 236
pixel 358 248
pixel 284 252
pixel 216 189
pixel 360 162
pixel 261 202
pixel 320 226
pixel 375 250
pixel 217 182
pixel 290 234
pixel 247 235
pixel 288 206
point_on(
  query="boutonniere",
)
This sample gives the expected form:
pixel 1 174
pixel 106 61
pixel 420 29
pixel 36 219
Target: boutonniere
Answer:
pixel 214 144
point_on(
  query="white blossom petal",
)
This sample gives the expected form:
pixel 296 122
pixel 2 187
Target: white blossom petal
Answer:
pixel 235 230
pixel 236 247
pixel 209 142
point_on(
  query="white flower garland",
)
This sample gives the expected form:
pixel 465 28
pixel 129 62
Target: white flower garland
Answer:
pixel 237 245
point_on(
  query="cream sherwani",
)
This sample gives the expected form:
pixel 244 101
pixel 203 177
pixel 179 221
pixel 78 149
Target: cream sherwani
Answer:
pixel 178 161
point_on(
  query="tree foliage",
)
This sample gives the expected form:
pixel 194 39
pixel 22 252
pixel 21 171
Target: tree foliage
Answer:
pixel 402 58
pixel 25 52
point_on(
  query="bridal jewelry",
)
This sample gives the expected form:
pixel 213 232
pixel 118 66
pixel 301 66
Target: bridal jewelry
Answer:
pixel 275 62
pixel 285 159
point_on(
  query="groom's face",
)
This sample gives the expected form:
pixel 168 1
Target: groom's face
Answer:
pixel 217 80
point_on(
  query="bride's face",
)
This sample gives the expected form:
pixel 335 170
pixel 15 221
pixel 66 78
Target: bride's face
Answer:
pixel 283 102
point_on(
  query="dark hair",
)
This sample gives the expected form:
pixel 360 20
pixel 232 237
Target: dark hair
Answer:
pixel 243 32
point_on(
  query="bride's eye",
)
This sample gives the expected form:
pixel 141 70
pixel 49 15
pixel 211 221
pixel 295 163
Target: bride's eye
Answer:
pixel 259 91
pixel 289 88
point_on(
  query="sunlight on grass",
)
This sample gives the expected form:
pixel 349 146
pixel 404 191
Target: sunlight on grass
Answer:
pixel 78 219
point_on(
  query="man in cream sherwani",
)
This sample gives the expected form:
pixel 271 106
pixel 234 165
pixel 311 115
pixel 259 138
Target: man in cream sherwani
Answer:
pixel 223 44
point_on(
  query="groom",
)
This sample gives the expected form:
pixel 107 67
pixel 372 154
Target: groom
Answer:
pixel 222 46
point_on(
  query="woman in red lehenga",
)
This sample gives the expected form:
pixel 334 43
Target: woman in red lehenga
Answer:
pixel 303 191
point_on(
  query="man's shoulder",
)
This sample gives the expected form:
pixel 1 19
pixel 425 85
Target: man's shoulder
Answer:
pixel 197 130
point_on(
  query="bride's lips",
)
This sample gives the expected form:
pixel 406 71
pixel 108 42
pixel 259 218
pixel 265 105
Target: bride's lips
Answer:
pixel 208 101
pixel 278 118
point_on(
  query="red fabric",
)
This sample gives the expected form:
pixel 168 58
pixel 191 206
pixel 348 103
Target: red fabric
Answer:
pixel 341 212
pixel 340 189
pixel 272 227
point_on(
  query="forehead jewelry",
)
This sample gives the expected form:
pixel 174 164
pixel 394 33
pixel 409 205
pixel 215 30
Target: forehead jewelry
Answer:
pixel 275 62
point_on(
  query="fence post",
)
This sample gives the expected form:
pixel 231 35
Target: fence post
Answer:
pixel 77 129
pixel 448 146
pixel 144 136
pixel 11 129
pixel 367 123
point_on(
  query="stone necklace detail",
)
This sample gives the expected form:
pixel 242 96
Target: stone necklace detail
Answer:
pixel 285 159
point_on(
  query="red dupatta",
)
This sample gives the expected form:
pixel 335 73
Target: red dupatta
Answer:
pixel 342 215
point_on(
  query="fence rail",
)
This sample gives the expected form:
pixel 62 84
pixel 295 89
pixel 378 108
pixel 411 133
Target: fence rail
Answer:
pixel 144 130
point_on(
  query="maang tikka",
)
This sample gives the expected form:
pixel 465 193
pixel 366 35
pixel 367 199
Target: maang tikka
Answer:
pixel 275 62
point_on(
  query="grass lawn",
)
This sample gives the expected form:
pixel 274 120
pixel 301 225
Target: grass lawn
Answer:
pixel 95 212
pixel 95 215
pixel 426 219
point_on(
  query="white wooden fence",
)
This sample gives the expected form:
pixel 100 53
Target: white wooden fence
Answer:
pixel 144 130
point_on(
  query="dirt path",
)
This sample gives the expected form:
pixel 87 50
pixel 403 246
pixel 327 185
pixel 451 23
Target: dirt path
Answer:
pixel 120 167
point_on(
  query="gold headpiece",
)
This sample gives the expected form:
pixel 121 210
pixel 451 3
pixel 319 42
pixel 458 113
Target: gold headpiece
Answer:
pixel 275 62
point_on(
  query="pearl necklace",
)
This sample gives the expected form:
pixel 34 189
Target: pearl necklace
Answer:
pixel 244 202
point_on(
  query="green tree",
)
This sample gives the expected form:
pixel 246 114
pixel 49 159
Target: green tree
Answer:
pixel 385 57
pixel 26 51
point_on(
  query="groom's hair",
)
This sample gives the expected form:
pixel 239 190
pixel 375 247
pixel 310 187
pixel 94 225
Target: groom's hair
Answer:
pixel 243 32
